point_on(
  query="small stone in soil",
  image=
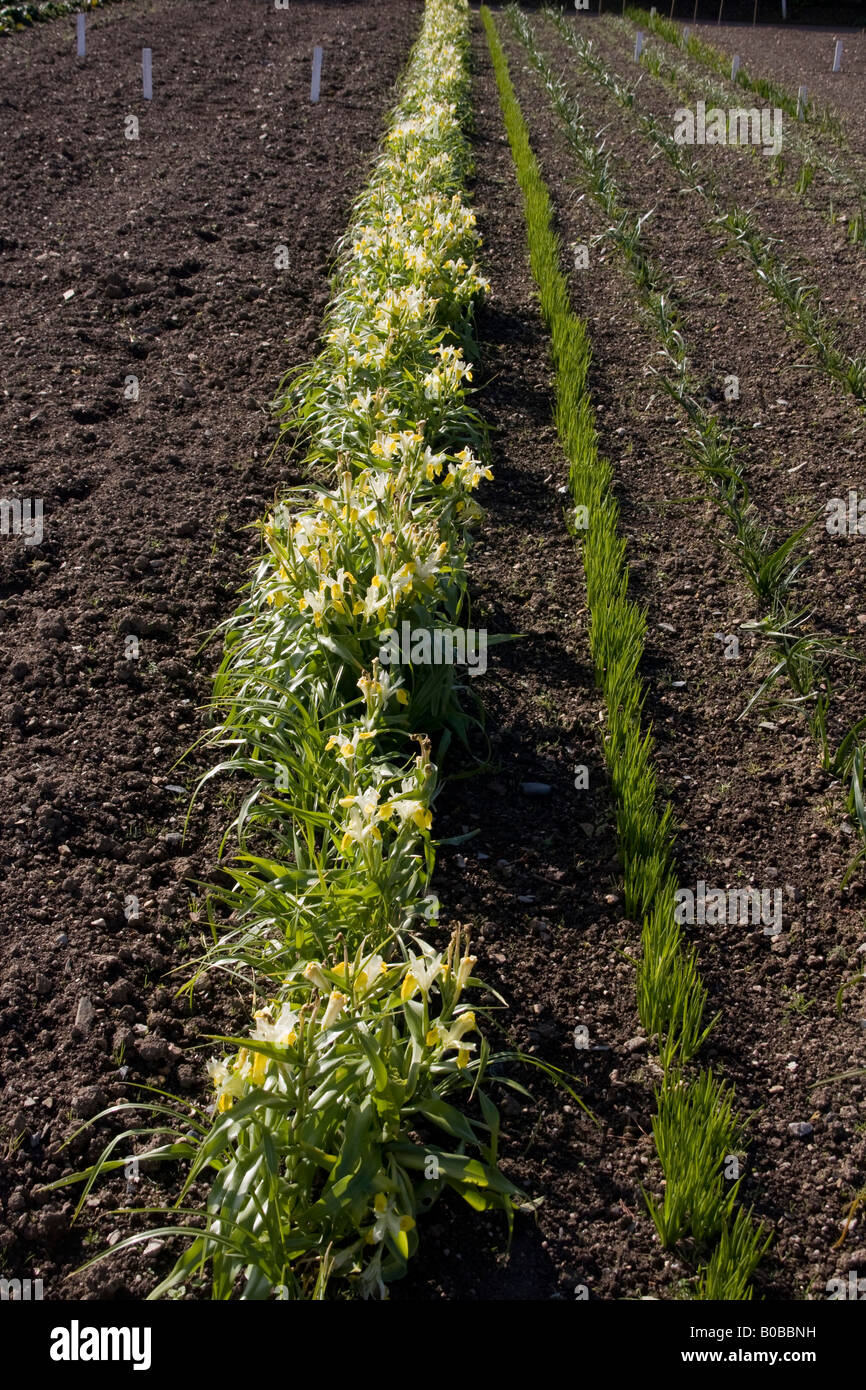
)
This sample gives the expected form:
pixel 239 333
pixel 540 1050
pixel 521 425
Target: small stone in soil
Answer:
pixel 152 1050
pixel 85 1013
pixel 89 1102
pixel 800 1129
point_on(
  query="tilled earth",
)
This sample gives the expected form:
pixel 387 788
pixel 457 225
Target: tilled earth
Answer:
pixel 796 56
pixel 170 246
pixel 751 801
pixel 188 268
pixel 809 230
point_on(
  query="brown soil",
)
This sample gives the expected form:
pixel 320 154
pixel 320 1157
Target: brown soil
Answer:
pixel 169 246
pixel 811 229
pixel 752 805
pixel 795 57
pixel 146 508
pixel 799 433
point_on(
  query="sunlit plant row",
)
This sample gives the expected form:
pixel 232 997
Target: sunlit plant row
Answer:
pixel 695 1127
pixel 707 55
pixel 772 569
pixel 358 1096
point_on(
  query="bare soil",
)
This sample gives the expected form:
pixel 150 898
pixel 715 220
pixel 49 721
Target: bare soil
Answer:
pixel 169 245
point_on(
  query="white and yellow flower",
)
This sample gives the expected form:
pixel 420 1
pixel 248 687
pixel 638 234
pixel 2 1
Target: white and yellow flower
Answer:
pixel 388 1221
pixel 336 1004
pixel 422 973
pixel 444 1039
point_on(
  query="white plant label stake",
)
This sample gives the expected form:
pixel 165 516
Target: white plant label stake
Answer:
pixel 147 73
pixel 735 67
pixel 837 57
pixel 638 44
pixel 801 103
pixel 316 84
pixel 81 35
